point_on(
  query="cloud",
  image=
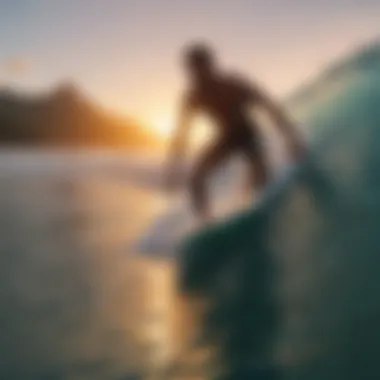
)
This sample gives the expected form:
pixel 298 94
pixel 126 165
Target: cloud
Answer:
pixel 16 66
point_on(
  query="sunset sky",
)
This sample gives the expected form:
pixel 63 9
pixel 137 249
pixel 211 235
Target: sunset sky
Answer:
pixel 125 52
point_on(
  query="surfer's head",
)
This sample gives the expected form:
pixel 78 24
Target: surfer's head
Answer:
pixel 199 60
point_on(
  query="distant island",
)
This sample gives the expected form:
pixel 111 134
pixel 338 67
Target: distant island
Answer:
pixel 66 118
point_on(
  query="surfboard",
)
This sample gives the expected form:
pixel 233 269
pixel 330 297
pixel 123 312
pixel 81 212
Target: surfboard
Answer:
pixel 163 237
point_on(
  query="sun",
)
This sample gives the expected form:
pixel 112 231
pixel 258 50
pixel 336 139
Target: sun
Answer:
pixel 165 126
pixel 162 125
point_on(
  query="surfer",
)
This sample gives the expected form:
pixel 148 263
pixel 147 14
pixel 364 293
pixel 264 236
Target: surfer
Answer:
pixel 227 100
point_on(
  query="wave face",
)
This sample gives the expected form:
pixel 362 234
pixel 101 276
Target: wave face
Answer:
pixel 292 286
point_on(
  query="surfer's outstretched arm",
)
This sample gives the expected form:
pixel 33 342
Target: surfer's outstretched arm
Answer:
pixel 180 135
pixel 287 127
pixel 178 142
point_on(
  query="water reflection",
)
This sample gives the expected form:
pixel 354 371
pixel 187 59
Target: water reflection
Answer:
pixel 74 303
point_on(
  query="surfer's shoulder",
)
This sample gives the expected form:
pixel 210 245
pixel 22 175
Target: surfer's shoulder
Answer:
pixel 236 79
pixel 239 82
pixel 242 84
pixel 190 98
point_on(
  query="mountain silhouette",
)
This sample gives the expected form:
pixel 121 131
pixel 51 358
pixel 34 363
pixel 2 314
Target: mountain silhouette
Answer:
pixel 66 117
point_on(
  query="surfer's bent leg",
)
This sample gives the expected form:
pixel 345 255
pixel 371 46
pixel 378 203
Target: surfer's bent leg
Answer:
pixel 211 158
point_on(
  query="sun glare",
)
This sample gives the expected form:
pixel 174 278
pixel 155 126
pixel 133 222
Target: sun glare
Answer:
pixel 163 126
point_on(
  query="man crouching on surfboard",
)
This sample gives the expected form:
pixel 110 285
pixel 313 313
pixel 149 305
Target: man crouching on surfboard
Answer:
pixel 226 100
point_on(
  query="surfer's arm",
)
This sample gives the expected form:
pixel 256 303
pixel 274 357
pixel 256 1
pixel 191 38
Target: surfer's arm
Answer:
pixel 178 143
pixel 283 122
pixel 253 94
pixel 181 131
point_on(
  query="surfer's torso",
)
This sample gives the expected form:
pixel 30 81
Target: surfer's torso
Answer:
pixel 226 101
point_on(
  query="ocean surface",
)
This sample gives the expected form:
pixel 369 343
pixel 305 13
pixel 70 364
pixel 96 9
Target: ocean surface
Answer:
pixel 75 301
pixel 78 301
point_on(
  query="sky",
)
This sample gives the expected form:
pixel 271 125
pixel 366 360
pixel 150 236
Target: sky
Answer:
pixel 126 53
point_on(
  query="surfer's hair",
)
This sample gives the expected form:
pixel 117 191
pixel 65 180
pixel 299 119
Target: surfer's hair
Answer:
pixel 199 54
